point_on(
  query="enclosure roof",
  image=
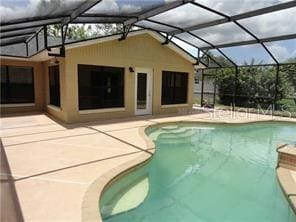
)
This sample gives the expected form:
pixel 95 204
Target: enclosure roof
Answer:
pixel 217 32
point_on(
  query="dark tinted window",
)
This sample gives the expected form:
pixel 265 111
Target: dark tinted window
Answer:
pixel 17 85
pixel 174 88
pixel 54 85
pixel 4 85
pixel 100 87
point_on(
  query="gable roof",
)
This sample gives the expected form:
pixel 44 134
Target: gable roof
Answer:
pixel 20 50
pixel 173 46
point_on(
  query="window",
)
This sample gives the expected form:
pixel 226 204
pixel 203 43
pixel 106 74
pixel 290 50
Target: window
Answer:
pixel 17 85
pixel 100 87
pixel 54 85
pixel 174 88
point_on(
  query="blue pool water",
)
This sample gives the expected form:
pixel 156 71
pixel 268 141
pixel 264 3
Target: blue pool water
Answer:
pixel 206 173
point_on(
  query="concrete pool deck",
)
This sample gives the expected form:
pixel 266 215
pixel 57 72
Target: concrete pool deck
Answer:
pixel 50 166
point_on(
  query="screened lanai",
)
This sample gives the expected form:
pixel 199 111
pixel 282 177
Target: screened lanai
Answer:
pixel 246 50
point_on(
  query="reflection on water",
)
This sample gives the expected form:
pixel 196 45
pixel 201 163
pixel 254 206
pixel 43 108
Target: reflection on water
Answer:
pixel 209 173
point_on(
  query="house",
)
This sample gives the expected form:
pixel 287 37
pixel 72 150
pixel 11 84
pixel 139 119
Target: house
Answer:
pixel 101 78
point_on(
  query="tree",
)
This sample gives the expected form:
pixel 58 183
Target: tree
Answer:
pixel 254 85
pixel 225 81
pixel 78 32
pixel 82 31
pixel 108 29
pixel 54 30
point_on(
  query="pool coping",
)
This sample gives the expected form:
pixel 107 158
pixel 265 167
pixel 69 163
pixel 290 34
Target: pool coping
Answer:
pixel 90 203
pixel 288 185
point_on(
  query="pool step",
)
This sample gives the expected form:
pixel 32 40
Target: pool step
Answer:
pixel 187 136
pixel 287 156
pixel 129 197
pixel 176 131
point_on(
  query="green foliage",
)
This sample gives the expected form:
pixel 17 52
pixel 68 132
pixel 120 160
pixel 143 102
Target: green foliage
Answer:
pixel 225 81
pixel 108 29
pixel 254 85
pixel 78 32
pixel 290 72
pixel 82 31
pixel 75 31
pixel 54 30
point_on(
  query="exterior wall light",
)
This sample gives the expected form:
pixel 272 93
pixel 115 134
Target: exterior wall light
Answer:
pixel 131 69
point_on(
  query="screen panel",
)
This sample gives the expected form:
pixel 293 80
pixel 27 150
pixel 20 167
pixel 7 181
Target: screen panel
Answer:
pixel 256 87
pixel 155 26
pixel 18 32
pixel 16 10
pixel 125 7
pixel 225 84
pixel 224 33
pixel 284 51
pixel 272 24
pixel 220 58
pixel 97 19
pixel 191 39
pixel 186 16
pixel 186 47
pixel 32 46
pixel 230 7
pixel 14 50
pixel 286 100
pixel 248 55
pixel 89 31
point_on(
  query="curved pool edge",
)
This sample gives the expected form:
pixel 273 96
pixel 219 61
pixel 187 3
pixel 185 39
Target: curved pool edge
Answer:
pixel 91 199
pixel 288 185
pixel 92 196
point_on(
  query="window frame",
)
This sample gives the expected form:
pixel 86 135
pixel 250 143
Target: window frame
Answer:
pixel 102 88
pixel 54 101
pixel 11 101
pixel 173 88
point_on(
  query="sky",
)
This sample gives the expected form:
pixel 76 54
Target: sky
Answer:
pixel 272 24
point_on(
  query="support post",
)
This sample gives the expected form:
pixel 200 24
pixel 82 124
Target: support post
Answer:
pixel 198 57
pixel 126 29
pixel 235 89
pixel 167 39
pixel 202 88
pixel 27 49
pixel 45 37
pixel 277 79
pixel 215 87
pixel 37 42
pixel 64 30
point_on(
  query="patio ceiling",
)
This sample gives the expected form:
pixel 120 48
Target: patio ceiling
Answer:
pixel 212 28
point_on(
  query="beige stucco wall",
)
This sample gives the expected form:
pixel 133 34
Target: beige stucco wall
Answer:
pixel 38 85
pixel 140 51
pixel 58 112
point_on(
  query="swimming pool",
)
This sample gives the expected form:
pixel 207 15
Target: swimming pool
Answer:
pixel 205 172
